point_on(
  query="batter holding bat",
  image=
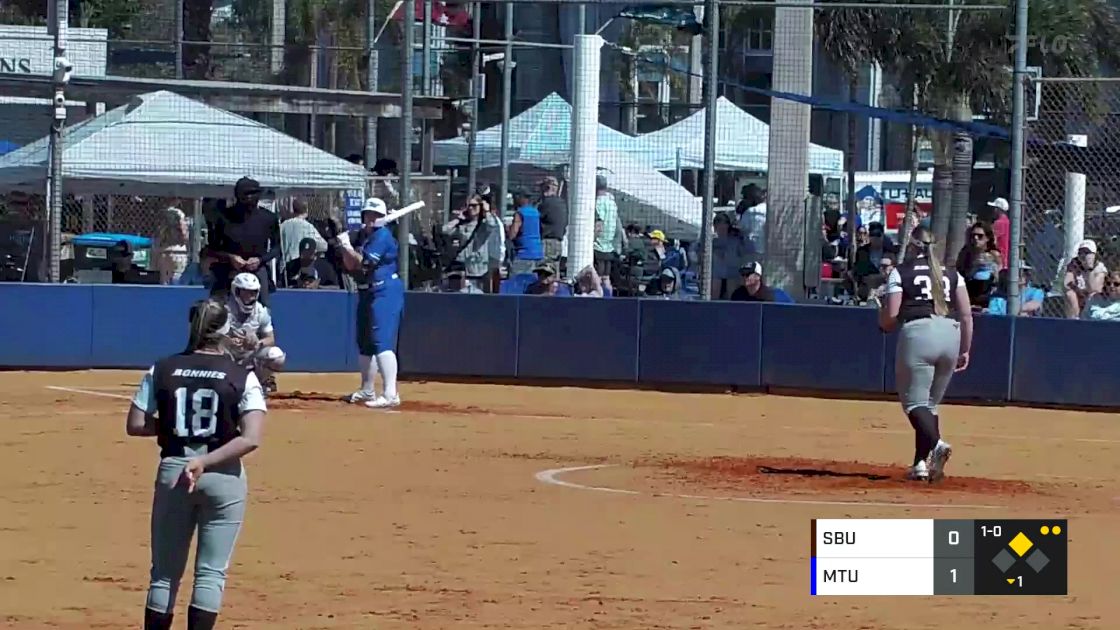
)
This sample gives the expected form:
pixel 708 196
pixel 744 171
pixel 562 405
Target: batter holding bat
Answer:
pixel 374 264
pixel 207 412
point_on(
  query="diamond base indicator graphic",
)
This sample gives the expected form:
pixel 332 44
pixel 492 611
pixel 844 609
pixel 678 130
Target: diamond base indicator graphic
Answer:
pixel 1021 557
pixel 938 557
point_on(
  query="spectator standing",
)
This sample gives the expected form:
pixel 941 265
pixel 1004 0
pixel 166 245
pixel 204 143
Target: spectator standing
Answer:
pixel 606 230
pixel 753 289
pixel 296 229
pixel 171 245
pixel 1084 278
pixel 1001 228
pixel 729 252
pixel 244 238
pixel 525 235
pixel 383 187
pixel 469 236
pixel 1105 307
pixel 309 270
pixel 750 215
pixel 554 220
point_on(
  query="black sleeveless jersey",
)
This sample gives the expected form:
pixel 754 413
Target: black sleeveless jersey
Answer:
pixel 198 400
pixel 914 279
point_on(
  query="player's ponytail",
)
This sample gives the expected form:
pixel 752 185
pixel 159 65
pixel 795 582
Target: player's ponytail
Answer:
pixel 209 322
pixel 922 240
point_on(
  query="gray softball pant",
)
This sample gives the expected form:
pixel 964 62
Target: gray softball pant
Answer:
pixel 925 360
pixel 216 508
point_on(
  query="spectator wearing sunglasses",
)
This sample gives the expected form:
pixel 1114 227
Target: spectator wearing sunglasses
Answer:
pixel 979 263
pixel 1105 307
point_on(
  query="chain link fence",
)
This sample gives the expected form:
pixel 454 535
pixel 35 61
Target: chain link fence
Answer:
pixel 1071 188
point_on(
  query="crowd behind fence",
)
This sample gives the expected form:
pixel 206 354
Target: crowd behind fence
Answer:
pixel 864 114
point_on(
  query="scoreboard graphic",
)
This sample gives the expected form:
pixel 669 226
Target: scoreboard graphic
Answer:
pixel 939 557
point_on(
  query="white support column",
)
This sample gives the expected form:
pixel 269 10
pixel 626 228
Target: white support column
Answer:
pixel 788 176
pixel 585 149
pixel 1073 218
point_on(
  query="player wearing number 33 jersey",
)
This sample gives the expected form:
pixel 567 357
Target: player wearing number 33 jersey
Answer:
pixel 929 307
pixel 207 412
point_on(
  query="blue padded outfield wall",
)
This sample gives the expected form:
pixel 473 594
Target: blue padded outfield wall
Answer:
pixel 720 344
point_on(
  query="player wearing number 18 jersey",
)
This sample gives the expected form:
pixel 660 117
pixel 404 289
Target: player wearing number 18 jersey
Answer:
pixel 207 412
pixel 930 308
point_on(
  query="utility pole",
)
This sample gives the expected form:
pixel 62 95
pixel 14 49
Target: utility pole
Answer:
pixel 404 225
pixel 711 96
pixel 371 78
pixel 59 19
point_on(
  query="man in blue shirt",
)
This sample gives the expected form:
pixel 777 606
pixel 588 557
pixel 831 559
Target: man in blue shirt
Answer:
pixel 1030 298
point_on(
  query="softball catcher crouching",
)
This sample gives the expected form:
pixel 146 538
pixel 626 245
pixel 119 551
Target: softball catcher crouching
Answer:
pixel 252 339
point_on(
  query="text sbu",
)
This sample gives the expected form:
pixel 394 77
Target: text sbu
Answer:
pixel 839 538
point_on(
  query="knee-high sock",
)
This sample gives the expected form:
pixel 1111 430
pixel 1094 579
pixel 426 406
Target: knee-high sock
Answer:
pixel 156 620
pixel 387 362
pixel 368 369
pixel 925 432
pixel 199 619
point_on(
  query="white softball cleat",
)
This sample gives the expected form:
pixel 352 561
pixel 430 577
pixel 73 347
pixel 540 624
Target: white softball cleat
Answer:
pixel 382 402
pixel 362 396
pixel 941 454
pixel 919 472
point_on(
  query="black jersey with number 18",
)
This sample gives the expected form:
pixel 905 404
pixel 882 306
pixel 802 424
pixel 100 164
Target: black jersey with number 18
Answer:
pixel 198 400
pixel 914 280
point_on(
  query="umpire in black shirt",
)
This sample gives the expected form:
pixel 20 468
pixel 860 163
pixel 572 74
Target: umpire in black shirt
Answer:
pixel 244 238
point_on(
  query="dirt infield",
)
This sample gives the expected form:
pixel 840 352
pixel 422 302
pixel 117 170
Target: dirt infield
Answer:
pixel 518 507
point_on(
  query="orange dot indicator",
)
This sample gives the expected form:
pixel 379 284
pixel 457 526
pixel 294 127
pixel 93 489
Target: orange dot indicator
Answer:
pixel 1057 529
pixel 1045 530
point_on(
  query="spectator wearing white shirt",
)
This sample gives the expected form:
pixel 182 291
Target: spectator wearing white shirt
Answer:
pixel 606 230
pixel 297 228
pixel 1084 278
pixel 1105 307
pixel 750 216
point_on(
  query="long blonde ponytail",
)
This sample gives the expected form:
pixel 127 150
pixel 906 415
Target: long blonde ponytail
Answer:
pixel 940 304
pixel 922 240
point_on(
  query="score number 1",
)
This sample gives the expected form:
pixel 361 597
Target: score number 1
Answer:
pixel 954 539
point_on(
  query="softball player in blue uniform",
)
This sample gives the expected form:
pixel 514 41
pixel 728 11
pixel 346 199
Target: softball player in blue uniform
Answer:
pixel 929 307
pixel 380 304
pixel 207 412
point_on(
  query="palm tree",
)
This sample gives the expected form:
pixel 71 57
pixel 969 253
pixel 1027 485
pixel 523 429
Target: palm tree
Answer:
pixel 959 63
pixel 853 39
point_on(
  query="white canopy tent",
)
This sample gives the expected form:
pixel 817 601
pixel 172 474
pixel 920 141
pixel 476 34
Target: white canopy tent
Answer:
pixel 742 144
pixel 540 142
pixel 164 144
pixel 540 135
